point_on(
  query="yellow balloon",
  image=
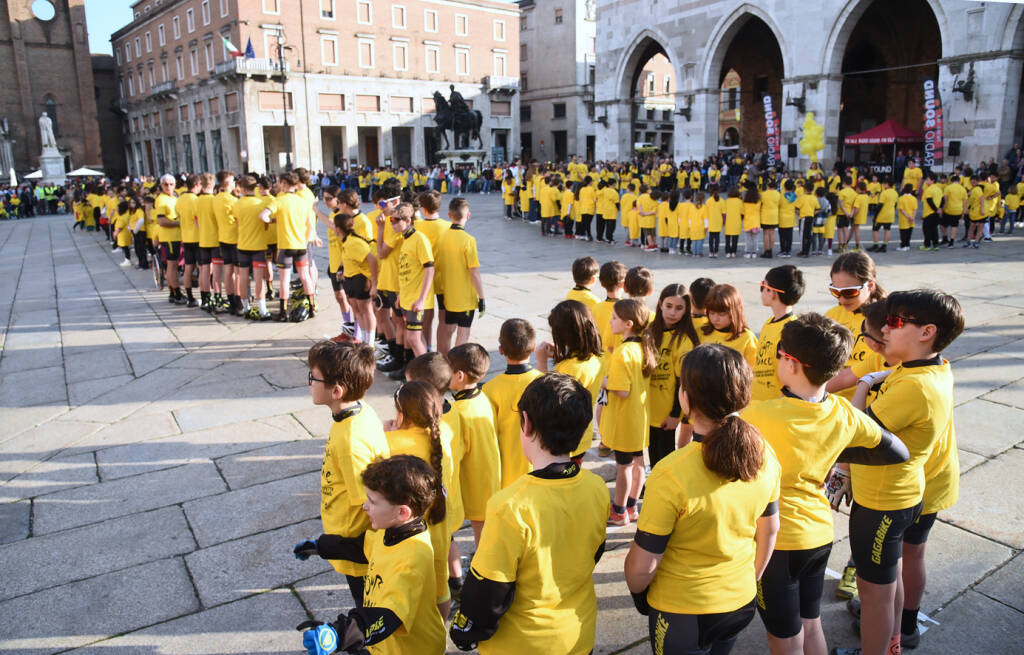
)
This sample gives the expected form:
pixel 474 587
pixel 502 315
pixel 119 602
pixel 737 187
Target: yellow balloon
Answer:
pixel 813 140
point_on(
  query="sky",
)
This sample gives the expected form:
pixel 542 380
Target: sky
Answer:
pixel 103 18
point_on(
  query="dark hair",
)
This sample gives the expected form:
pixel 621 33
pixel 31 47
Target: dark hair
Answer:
pixel 349 364
pixel 699 290
pixel 349 197
pixel 559 409
pixel 403 480
pixel 931 307
pixel 751 195
pixel 122 207
pixel 516 339
pixel 790 279
pixel 639 282
pixel 431 368
pixel 584 270
pixel 684 328
pixel 421 406
pixel 717 383
pixel 874 314
pixel 819 343
pixel 733 192
pixel 673 199
pixel 636 311
pixel 222 177
pixel 574 332
pixel 470 358
pixel 346 223
pixel 458 206
pixel 726 298
pixel 861 266
pixel 244 182
pixel 612 275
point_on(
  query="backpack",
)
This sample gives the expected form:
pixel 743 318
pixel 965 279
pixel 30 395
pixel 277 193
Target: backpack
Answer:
pixel 824 211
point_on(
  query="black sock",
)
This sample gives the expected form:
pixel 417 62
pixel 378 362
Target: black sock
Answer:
pixel 188 292
pixel 631 502
pixel 280 303
pixel 409 355
pixel 909 622
pixel 392 347
pixel 204 296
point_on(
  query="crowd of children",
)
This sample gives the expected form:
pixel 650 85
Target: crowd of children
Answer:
pixel 751 440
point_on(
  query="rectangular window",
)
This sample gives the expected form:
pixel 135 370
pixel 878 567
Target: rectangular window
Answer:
pixel 432 57
pixel 183 112
pixel 401 104
pixel 523 52
pixel 128 52
pixel 558 16
pixel 163 70
pixel 142 82
pixel 149 41
pixel 558 110
pixel 169 115
pixel 156 119
pixel 176 26
pixel 400 53
pixel 272 6
pixel 499 65
pixel 429 20
pixel 180 64
pixel 650 83
pixel 204 8
pixel 364 12
pixel 193 60
pixel 172 154
pixel 501 108
pixel 270 43
pixel 152 77
pixel 117 55
pixel 190 20
pixel 329 50
pixel 522 83
pixel 522 23
pixel 428 106
pixel 223 8
pixel 214 106
pixel 272 100
pixel 201 151
pixel 209 55
pixel 462 61
pixel 733 97
pixel 327 9
pixel 231 102
pixel 367 103
pixel 525 113
pixel 138 47
pixel 161 35
pixel 499 30
pixel 186 151
pixel 398 16
pixel 365 53
pixel 331 102
pixel 131 84
pixel 197 109
pixel 218 151
pixel 461 25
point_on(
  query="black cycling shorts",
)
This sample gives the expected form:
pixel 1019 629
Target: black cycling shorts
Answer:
pixel 876 540
pixel 768 228
pixel 335 277
pixel 439 302
pixel 191 253
pixel 229 253
pixel 881 226
pixel 207 255
pixel 357 287
pixel 247 258
pixel 170 251
pixel 462 319
pixel 624 458
pixel 697 634
pixel 790 589
pixel 842 221
pixel 917 533
pixel 413 320
pixel 286 258
pixel 951 220
pixel 388 299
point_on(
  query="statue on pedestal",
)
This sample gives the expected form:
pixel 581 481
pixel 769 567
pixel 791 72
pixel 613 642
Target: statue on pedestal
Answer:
pixel 455 115
pixel 46 132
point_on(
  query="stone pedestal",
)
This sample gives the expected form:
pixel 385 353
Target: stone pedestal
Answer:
pixel 51 164
pixel 462 158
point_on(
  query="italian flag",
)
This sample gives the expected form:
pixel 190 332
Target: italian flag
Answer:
pixel 235 52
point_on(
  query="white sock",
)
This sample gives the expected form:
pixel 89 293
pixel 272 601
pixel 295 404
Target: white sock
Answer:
pixel 245 304
pixel 262 305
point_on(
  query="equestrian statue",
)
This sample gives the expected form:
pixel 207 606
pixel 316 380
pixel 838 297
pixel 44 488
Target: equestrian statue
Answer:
pixel 455 115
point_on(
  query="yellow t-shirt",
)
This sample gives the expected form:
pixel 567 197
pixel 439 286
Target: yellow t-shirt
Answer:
pixel 942 474
pixel 649 205
pixel 398 578
pixel 207 221
pixel 916 404
pixel 607 203
pixel 227 225
pixel 661 394
pixel 583 295
pixel 251 231
pixel 906 203
pixel 480 470
pixel 603 319
pixel 549 202
pixel 933 193
pixel 716 211
pixel 432 228
pixel 745 343
pixel 456 256
pixel 668 220
pixel 292 222
pixel 387 267
pixel 751 216
pixel 354 441
pixel 589 373
pixel 624 420
pixel 770 203
pixel 122 222
pixel 354 251
pixel 955 195
pixel 733 216
pixel 165 206
pixel 627 202
pixel 697 220
pixel 503 392
pixel 708 563
pixel 860 209
pixel 807 437
pixel 413 259
pixel 542 534
pixel 766 366
pixel 887 211
pixel 187 208
pixel 588 199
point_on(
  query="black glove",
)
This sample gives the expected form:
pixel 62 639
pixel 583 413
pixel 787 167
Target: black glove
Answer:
pixel 304 549
pixel 481 306
pixel 640 602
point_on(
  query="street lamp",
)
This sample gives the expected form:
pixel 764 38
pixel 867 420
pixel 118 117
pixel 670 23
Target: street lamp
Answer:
pixel 284 99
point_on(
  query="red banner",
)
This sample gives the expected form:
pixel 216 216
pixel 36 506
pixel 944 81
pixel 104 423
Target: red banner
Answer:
pixel 932 125
pixel 771 131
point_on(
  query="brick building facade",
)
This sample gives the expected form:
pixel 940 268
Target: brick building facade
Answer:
pixel 360 77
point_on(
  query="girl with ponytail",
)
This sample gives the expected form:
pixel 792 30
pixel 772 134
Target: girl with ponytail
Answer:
pixel 417 430
pixel 624 420
pixel 710 517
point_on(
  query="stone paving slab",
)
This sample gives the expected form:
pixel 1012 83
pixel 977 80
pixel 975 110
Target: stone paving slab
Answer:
pixel 272 463
pixel 254 509
pixel 24 451
pixel 975 624
pixel 95 549
pixel 82 612
pixel 1007 584
pixel 15 521
pixel 140 426
pixel 43 386
pixel 233 410
pixel 69 509
pixel 256 563
pixel 989 502
pixel 261 624
pixel 987 428
pixel 52 475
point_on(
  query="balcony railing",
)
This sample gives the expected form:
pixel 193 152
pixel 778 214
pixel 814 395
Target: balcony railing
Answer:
pixel 163 89
pixel 501 84
pixel 249 67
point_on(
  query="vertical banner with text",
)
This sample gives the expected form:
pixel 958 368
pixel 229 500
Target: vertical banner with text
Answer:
pixel 932 124
pixel 771 131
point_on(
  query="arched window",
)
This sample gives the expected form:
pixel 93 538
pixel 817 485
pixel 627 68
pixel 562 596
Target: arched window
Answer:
pixel 50 107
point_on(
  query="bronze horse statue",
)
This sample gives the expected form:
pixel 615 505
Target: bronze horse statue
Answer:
pixel 457 117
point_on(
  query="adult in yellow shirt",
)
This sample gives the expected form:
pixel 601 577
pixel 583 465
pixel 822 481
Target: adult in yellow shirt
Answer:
pixel 711 514
pixel 252 248
pixel 295 229
pixel 169 235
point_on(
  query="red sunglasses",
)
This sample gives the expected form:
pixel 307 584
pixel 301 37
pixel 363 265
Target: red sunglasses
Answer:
pixel 780 353
pixel 896 321
pixel 846 292
pixel 765 285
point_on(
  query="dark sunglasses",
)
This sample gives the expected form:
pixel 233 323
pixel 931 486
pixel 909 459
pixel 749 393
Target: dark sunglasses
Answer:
pixel 864 333
pixel 846 292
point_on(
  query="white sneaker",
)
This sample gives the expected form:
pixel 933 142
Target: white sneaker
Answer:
pixel 829 252
pixel 125 263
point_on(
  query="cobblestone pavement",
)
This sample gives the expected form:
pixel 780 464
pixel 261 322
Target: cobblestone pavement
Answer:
pixel 157 464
